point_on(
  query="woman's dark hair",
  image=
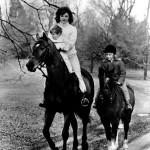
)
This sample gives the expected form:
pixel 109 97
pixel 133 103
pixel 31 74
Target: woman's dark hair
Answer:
pixel 62 11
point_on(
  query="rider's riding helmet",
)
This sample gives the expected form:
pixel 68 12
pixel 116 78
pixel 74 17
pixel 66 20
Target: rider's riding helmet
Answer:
pixel 110 49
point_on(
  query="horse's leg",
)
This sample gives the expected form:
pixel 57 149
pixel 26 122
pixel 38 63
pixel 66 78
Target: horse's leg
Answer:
pixel 65 132
pixel 126 129
pixel 114 134
pixel 74 127
pixel 84 135
pixel 49 116
pixel 107 128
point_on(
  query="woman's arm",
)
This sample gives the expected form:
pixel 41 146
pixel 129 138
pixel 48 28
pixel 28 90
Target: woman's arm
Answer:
pixel 70 42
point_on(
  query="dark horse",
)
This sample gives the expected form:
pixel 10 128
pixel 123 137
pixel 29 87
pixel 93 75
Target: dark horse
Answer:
pixel 62 92
pixel 111 108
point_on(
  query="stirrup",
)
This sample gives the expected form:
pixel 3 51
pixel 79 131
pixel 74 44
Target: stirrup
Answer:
pixel 84 102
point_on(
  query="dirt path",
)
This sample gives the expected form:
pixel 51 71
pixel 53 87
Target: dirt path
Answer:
pixel 142 108
pixel 142 95
pixel 142 143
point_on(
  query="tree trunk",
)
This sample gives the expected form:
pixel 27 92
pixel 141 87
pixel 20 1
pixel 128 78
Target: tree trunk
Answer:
pixel 145 71
pixel 146 53
pixel 92 63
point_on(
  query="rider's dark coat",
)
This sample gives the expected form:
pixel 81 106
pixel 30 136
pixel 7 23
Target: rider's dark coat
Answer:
pixel 119 72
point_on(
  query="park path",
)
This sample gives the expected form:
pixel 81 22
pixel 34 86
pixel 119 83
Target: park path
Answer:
pixel 142 108
pixel 141 143
pixel 142 96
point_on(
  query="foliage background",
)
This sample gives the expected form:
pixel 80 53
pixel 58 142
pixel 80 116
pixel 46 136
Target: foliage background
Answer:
pixel 100 23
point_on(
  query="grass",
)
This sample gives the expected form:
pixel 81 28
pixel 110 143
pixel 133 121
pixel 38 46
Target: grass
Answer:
pixel 137 74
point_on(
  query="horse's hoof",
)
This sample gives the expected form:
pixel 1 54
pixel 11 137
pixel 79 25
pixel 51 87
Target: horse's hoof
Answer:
pixel 124 148
pixel 125 145
pixel 85 146
pixel 110 148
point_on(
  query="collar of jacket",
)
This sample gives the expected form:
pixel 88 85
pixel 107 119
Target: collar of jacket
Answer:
pixel 115 59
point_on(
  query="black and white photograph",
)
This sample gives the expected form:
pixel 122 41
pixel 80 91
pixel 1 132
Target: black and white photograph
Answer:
pixel 74 74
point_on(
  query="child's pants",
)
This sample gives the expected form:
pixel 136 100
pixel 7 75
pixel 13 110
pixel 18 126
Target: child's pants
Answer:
pixel 125 91
pixel 67 62
pixel 76 68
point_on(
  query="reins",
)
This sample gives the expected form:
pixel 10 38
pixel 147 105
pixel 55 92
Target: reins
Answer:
pixel 42 63
pixel 112 92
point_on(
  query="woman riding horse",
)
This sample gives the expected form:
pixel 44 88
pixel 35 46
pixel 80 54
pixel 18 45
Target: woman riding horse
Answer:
pixel 64 19
pixel 61 92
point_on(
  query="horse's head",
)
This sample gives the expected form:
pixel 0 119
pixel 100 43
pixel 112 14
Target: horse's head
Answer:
pixel 40 53
pixel 106 79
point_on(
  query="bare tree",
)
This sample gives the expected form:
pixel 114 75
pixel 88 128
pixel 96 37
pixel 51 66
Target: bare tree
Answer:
pixel 22 22
pixel 126 33
pixel 146 62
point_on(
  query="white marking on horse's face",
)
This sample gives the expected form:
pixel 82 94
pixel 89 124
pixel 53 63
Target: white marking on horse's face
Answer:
pixel 37 45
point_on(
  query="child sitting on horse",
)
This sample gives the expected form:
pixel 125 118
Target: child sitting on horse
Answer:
pixel 119 74
pixel 61 44
pixel 68 51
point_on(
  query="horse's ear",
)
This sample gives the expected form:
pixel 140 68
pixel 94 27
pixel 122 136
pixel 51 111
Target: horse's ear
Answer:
pixel 45 36
pixel 37 36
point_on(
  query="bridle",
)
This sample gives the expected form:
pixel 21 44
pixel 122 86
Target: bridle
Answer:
pixel 111 92
pixel 41 61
